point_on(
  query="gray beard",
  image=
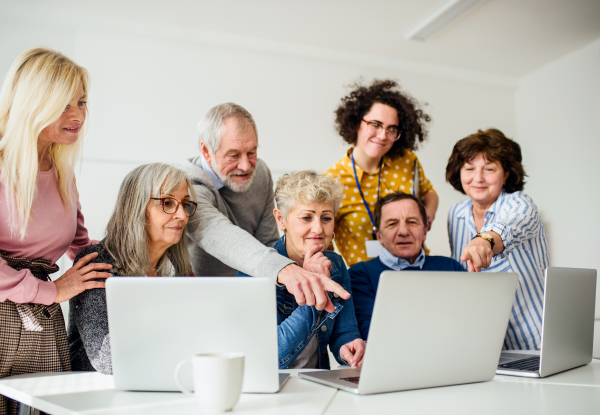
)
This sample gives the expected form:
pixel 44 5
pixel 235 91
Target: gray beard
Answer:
pixel 229 182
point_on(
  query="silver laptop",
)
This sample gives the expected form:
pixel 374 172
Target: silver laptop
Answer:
pixel 155 323
pixel 567 326
pixel 430 329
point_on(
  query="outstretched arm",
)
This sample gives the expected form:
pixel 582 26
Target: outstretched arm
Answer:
pixel 517 222
pixel 214 233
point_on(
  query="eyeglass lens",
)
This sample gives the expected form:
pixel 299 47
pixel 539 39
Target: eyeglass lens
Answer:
pixel 390 132
pixel 171 206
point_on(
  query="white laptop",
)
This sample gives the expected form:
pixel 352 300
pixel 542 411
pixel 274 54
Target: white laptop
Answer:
pixel 567 326
pixel 155 323
pixel 430 329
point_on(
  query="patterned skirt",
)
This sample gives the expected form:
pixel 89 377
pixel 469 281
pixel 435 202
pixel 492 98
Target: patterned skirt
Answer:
pixel 33 337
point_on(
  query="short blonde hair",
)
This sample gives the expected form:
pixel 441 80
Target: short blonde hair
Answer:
pixel 306 187
pixel 39 85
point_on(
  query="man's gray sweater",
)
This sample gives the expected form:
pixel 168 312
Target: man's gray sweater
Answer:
pixel 232 231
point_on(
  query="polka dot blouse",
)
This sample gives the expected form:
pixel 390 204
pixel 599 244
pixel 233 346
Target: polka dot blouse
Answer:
pixel 352 224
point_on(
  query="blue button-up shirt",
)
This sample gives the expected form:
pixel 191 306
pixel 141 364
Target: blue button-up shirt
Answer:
pixel 209 171
pixel 399 264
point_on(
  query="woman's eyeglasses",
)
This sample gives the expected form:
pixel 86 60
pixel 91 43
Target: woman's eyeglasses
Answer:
pixel 170 205
pixel 391 133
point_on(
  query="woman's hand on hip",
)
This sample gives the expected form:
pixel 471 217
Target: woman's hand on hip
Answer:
pixel 80 278
pixel 353 352
pixel 315 261
pixel 478 254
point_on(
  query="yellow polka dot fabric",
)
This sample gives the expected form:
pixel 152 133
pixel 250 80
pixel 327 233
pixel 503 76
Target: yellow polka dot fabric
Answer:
pixel 352 224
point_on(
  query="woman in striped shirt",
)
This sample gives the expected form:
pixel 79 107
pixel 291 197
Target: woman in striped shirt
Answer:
pixel 498 228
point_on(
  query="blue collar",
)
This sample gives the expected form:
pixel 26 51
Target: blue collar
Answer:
pixel 399 264
pixel 209 171
pixel 279 246
pixel 497 203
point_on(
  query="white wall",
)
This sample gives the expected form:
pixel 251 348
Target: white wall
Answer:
pixel 151 85
pixel 558 127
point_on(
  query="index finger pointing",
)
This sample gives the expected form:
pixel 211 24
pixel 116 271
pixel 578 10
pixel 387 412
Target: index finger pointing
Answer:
pixel 466 255
pixel 335 288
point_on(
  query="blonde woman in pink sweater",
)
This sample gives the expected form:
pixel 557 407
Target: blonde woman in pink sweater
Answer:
pixel 42 112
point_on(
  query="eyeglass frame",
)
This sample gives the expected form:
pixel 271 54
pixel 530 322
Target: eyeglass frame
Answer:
pixel 380 126
pixel 176 207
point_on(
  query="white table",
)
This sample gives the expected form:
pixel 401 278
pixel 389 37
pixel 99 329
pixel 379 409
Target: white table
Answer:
pixel 576 391
pixel 93 393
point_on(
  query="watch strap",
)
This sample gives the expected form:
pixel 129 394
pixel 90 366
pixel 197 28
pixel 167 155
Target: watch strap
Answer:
pixel 487 237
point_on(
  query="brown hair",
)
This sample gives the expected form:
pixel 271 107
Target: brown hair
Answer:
pixel 394 197
pixel 494 146
pixel 411 119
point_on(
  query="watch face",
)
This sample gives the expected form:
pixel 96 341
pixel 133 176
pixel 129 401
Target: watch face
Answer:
pixel 486 235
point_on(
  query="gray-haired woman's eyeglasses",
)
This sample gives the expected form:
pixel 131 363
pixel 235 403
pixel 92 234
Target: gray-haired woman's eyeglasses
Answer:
pixel 170 205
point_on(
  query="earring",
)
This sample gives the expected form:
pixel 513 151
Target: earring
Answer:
pixel 283 236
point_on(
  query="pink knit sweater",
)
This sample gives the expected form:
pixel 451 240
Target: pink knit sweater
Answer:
pixel 52 231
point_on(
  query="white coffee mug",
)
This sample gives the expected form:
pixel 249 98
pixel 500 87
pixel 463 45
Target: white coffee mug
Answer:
pixel 218 379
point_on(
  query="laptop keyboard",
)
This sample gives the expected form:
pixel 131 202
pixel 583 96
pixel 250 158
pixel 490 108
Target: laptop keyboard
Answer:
pixel 531 364
pixel 353 379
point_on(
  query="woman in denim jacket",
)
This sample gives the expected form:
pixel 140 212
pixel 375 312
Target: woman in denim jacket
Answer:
pixel 306 206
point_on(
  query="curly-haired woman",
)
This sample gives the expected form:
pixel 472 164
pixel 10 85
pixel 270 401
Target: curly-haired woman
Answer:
pixel 385 126
pixel 498 227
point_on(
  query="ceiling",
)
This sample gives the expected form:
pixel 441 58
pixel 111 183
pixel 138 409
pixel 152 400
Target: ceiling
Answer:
pixel 503 37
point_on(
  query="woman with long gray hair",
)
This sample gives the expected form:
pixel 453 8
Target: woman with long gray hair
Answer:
pixel 144 237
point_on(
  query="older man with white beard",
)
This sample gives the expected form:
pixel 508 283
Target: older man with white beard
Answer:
pixel 234 223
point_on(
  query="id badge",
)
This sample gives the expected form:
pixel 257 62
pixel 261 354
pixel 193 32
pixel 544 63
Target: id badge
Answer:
pixel 373 248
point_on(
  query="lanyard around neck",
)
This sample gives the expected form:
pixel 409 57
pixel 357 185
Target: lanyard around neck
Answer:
pixel 361 192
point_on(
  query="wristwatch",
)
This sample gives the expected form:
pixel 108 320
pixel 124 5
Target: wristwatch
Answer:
pixel 487 237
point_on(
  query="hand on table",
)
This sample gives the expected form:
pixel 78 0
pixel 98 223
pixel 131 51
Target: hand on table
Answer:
pixel 80 278
pixel 353 352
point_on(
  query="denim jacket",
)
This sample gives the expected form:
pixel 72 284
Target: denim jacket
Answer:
pixel 296 325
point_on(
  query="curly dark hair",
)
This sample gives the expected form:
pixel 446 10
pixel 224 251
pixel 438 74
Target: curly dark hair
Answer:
pixel 411 119
pixel 495 146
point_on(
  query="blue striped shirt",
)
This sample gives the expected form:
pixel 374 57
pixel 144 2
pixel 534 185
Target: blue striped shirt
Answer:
pixel 515 218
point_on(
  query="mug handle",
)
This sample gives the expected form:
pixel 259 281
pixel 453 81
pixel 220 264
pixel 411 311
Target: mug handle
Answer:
pixel 177 369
